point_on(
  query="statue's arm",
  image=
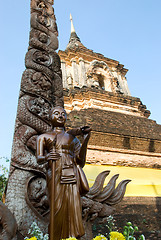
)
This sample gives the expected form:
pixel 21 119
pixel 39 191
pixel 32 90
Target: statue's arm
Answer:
pixel 81 158
pixel 79 131
pixel 41 159
pixel 42 143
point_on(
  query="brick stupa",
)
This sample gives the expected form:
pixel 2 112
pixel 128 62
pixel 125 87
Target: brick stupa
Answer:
pixel 96 93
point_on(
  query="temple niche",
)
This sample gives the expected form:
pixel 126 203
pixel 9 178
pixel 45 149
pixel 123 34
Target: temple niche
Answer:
pixel 95 73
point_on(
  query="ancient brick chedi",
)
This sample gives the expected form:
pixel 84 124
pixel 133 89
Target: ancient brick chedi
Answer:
pixel 41 88
pixel 96 93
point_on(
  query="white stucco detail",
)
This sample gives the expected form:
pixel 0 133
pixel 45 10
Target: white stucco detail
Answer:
pixel 96 73
pixel 64 74
pixel 75 73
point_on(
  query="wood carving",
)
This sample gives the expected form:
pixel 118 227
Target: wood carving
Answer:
pixel 8 225
pixel 41 89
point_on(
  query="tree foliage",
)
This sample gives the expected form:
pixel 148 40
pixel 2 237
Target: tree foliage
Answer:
pixel 3 178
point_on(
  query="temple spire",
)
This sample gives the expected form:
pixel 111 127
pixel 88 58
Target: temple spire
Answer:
pixel 74 41
pixel 72 25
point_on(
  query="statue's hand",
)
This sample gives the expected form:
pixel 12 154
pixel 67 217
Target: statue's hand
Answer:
pixel 50 143
pixel 85 130
pixel 52 156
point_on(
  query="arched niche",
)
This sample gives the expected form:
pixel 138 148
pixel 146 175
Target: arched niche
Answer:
pixel 100 75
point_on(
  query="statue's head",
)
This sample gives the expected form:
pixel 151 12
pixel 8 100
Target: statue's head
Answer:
pixel 58 117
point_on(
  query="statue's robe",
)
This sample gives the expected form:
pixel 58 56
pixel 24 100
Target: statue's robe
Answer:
pixel 68 212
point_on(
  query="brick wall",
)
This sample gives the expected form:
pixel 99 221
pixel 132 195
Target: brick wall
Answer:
pixel 117 130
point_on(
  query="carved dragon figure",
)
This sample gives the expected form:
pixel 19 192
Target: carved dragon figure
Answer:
pixel 99 200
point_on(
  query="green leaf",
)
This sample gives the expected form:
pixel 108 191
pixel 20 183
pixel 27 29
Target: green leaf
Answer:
pixel 132 238
pixel 129 224
pixel 142 237
pixel 125 233
pixel 136 228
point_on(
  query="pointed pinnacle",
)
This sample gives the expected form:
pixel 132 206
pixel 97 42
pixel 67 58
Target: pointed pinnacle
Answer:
pixel 72 26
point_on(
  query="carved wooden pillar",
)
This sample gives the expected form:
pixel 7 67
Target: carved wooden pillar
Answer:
pixel 41 88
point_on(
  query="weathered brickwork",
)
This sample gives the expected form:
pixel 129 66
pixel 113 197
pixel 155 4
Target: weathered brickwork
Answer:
pixel 116 123
pixel 143 212
pixel 120 157
pixel 125 142
pixel 120 139
pixel 84 98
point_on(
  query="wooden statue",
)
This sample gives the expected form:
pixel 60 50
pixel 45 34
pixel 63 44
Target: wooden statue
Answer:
pixel 66 181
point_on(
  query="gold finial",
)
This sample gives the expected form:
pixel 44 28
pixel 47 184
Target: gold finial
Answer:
pixel 72 26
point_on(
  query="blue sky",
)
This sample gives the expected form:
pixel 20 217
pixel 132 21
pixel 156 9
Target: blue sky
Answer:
pixel 127 31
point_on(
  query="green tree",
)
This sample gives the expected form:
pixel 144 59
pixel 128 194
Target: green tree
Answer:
pixel 3 177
